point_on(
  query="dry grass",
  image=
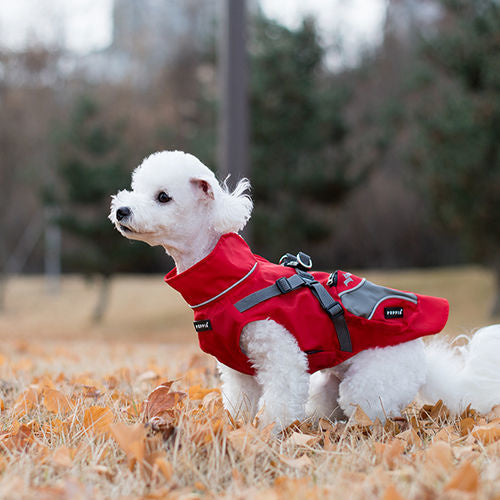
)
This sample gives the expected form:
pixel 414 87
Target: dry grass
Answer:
pixel 52 448
pixel 58 377
pixel 143 308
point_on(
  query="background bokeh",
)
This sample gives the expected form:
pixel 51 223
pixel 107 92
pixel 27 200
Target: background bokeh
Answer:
pixel 372 144
pixel 374 128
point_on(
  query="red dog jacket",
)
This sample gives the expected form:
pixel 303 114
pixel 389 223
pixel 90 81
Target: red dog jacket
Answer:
pixel 332 317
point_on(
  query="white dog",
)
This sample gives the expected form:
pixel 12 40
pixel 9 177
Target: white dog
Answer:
pixel 177 203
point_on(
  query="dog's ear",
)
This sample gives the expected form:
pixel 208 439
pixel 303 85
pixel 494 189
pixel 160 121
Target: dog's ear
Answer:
pixel 232 208
pixel 203 186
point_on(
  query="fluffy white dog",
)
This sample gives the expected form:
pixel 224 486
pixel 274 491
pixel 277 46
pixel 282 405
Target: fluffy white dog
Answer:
pixel 176 202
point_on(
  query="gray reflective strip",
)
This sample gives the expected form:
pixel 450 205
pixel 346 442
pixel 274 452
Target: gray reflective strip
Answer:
pixel 364 299
pixel 226 290
pixel 361 283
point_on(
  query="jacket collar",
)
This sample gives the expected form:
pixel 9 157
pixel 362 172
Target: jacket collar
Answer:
pixel 229 264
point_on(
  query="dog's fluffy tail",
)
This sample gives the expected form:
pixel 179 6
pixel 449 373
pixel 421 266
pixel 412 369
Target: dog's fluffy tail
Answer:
pixel 465 375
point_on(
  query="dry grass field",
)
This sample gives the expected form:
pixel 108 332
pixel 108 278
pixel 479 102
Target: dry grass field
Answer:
pixel 81 418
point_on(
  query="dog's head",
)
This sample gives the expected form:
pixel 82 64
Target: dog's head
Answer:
pixel 175 196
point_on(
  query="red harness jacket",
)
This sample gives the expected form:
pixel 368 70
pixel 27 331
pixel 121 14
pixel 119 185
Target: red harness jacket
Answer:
pixel 375 316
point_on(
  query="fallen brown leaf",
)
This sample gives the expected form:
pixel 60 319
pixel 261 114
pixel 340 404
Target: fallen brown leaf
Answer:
pixel 204 433
pixel 466 425
pixel 148 375
pixel 300 439
pixel 62 456
pixel 298 463
pixel 198 392
pixel 466 453
pixel 391 493
pixel 166 468
pixel 131 439
pixel 410 437
pixel 488 433
pixel 447 433
pixel 91 391
pixel 293 427
pixel 469 413
pixel 98 419
pixel 494 413
pixel 102 470
pixel 26 401
pixel 19 440
pixel 326 425
pixel 56 426
pixel 161 401
pixel 55 401
pixel 434 412
pixel 389 452
pixel 247 439
pixel 439 454
pixel 359 417
pixel 466 478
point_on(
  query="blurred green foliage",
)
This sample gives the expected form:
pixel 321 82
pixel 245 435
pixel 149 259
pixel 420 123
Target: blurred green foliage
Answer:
pixel 92 165
pixel 318 139
pixel 457 149
pixel 301 165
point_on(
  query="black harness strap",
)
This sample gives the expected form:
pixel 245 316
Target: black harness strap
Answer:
pixel 286 285
pixel 283 285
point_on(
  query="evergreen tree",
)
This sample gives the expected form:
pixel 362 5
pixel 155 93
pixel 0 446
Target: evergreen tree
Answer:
pixel 92 165
pixel 457 151
pixel 301 165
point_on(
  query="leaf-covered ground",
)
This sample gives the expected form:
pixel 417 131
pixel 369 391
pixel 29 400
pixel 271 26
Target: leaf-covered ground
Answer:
pixel 95 420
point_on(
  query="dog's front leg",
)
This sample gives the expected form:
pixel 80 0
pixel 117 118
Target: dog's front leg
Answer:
pixel 281 370
pixel 240 392
pixel 323 396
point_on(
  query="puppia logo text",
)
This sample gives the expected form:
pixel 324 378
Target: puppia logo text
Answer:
pixel 393 312
pixel 202 326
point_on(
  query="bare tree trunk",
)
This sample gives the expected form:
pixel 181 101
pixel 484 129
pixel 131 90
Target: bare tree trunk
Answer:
pixel 233 121
pixel 3 274
pixel 24 248
pixel 52 251
pixel 3 288
pixel 15 262
pixel 496 304
pixel 103 299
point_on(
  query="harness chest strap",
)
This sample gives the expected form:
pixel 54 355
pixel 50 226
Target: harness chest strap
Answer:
pixel 298 280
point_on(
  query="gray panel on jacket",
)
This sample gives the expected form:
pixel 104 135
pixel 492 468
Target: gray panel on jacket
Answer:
pixel 365 298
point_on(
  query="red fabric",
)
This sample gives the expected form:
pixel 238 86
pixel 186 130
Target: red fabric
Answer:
pixel 298 311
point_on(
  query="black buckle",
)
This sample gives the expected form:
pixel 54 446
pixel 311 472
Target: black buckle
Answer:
pixel 305 262
pixel 308 279
pixel 288 260
pixel 335 310
pixel 332 279
pixel 299 261
pixel 283 285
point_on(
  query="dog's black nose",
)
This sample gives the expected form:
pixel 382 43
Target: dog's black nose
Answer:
pixel 123 212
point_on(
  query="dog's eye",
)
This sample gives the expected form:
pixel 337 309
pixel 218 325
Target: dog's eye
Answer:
pixel 163 197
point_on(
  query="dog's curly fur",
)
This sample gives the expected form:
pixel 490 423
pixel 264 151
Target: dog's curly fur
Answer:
pixel 382 380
